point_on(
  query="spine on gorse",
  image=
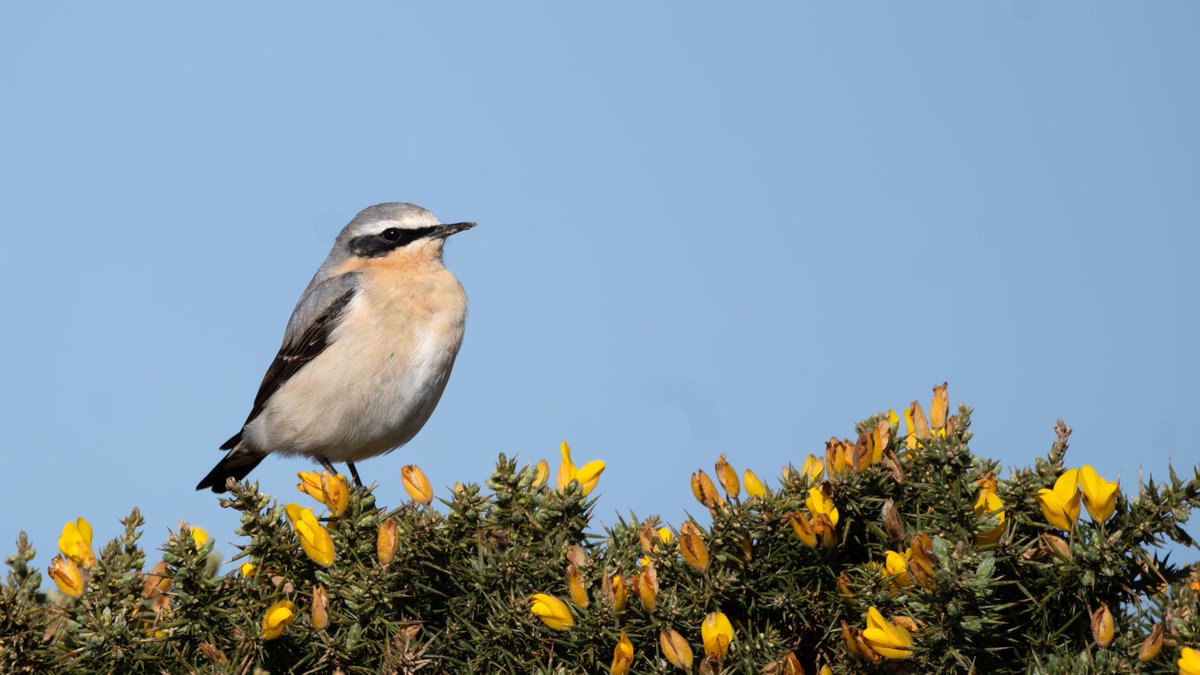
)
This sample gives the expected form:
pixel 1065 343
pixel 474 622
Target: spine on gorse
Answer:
pixel 896 551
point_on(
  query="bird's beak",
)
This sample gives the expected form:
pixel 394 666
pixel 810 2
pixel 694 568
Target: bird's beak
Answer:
pixel 443 231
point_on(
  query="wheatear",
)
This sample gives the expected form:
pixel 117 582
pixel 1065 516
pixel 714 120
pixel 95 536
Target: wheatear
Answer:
pixel 367 352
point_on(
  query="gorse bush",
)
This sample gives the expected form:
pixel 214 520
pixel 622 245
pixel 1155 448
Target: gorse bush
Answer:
pixel 898 551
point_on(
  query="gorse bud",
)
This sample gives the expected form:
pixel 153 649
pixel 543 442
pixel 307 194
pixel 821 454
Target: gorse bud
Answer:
pixel 386 541
pixel 754 486
pixel 692 548
pixel 705 491
pixel 416 484
pixel 1153 644
pixel 320 608
pixel 1102 626
pixel 575 585
pixel 675 649
pixel 728 478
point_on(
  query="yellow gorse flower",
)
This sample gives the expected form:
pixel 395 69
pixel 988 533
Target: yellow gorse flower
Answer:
pixel 717 633
pixel 675 649
pixel 1189 661
pixel 618 592
pixel 664 535
pixel 588 476
pixel 886 638
pixel 989 505
pixel 327 488
pixel 754 486
pixel 1060 505
pixel 66 576
pixel 199 536
pixel 895 567
pixel 1099 495
pixel 314 539
pixel 803 528
pixel 813 467
pixel 819 503
pixel 248 570
pixel 278 617
pixel 552 611
pixel 76 543
pixel 416 484
pixel 622 656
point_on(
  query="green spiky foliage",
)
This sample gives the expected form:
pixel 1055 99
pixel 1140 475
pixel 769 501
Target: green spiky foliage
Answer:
pixel 455 595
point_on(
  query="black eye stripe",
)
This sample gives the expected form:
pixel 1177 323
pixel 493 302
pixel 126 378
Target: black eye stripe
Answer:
pixel 375 245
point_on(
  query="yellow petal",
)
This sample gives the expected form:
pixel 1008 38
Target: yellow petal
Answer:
pixel 552 611
pixel 664 535
pixel 566 469
pixel 248 569
pixel 278 617
pixel 541 474
pixel 814 468
pixel 199 536
pixel 803 529
pixel 622 656
pixel 336 493
pixel 589 475
pixel 819 503
pixel 1189 661
pixel 76 543
pixel 886 638
pixel 717 633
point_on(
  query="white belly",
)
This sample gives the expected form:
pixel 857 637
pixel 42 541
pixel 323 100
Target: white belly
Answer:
pixel 375 385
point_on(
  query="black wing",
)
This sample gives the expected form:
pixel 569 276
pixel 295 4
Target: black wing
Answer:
pixel 296 352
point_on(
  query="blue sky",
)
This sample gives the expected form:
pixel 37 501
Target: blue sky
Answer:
pixel 703 229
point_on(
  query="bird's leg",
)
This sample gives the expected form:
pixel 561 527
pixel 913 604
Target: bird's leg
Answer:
pixel 327 465
pixel 354 472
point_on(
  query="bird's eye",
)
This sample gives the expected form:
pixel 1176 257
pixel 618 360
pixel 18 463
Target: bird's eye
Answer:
pixel 391 234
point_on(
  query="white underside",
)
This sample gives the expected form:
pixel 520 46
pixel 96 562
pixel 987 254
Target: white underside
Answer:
pixel 370 391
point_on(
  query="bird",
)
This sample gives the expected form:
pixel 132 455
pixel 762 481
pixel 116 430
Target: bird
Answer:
pixel 367 351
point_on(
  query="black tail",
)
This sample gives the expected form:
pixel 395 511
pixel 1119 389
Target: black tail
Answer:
pixel 235 465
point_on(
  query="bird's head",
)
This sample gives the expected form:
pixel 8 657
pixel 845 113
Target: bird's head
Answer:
pixel 396 235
